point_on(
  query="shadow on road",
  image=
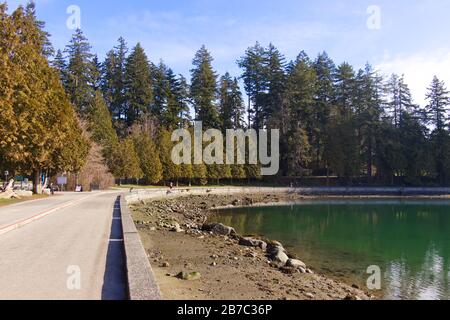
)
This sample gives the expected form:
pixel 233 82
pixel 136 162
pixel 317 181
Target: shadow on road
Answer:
pixel 115 280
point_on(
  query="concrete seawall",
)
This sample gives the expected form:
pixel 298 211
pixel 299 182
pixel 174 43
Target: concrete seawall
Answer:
pixel 141 280
pixel 158 194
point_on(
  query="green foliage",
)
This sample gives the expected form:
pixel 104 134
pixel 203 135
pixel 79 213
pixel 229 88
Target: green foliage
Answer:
pixel 125 161
pixel 171 171
pixel 149 158
pixel 80 71
pixel 231 105
pixel 114 84
pixel 203 89
pixel 39 130
pixel 100 124
pixel 138 85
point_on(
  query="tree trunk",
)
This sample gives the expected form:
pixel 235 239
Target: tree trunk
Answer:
pixel 37 186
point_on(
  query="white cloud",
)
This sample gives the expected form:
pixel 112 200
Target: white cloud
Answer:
pixel 419 69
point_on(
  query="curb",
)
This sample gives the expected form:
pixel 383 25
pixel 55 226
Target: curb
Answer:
pixel 140 277
pixel 39 216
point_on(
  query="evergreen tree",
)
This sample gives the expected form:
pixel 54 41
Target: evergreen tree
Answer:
pixel 368 102
pixel 176 101
pixel 125 161
pixel 114 84
pixel 436 115
pixel 231 105
pixel 59 63
pixel 160 89
pixel 171 171
pixel 415 149
pixel 273 112
pixel 149 158
pixel 100 123
pixel 203 89
pixel 438 104
pixel 325 71
pixel 400 99
pixel 42 37
pixel 38 127
pixel 341 143
pixel 183 94
pixel 138 85
pixel 254 64
pixel 80 80
pixel 298 105
pixel 96 71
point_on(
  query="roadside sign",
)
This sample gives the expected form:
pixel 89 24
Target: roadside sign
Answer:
pixel 62 181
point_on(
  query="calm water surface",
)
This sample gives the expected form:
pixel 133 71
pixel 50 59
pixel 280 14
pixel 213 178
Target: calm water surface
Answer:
pixel 408 240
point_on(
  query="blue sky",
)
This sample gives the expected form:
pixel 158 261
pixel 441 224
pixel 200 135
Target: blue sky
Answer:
pixel 413 37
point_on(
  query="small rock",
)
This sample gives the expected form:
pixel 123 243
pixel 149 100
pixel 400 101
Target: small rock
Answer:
pixel 296 264
pixel 352 298
pixel 309 295
pixel 251 255
pixel 249 242
pixel 165 265
pixel 236 202
pixel 189 276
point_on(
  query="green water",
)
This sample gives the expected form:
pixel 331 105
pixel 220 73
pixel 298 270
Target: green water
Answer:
pixel 408 240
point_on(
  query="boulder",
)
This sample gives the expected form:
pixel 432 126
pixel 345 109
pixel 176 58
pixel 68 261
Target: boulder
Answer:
pixel 219 229
pixel 9 194
pixel 249 242
pixel 274 247
pixel 294 263
pixel 23 193
pixel 280 257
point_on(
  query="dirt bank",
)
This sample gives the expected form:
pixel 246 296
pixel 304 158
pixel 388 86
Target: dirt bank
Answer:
pixel 221 264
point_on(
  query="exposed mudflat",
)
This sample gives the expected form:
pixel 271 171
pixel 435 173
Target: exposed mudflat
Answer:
pixel 220 267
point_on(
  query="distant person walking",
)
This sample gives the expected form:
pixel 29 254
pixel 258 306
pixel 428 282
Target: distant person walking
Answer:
pixel 171 185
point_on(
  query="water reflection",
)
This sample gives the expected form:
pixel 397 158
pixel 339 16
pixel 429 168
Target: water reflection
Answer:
pixel 410 241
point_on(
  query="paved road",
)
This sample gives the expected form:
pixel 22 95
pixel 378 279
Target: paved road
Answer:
pixel 73 253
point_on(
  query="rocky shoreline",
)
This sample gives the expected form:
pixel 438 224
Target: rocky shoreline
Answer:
pixel 194 258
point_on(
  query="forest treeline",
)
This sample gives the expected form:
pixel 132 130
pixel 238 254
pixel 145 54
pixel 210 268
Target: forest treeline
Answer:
pixel 335 120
